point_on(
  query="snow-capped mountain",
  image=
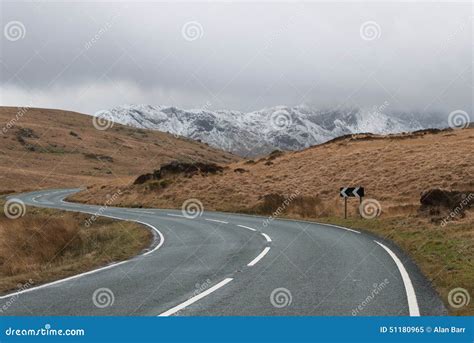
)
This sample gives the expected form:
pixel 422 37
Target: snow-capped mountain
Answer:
pixel 259 132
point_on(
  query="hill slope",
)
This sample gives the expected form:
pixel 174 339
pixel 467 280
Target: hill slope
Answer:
pixel 43 148
pixel 393 169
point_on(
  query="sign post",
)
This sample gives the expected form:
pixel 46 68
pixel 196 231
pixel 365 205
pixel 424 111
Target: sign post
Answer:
pixel 347 192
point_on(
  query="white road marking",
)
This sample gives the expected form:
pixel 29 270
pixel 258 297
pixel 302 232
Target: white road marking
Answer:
pixel 267 237
pixel 195 298
pixel 411 296
pixel 140 212
pixel 217 221
pixel 162 240
pixel 340 227
pixel 175 215
pixel 246 227
pixel 259 257
pixel 62 280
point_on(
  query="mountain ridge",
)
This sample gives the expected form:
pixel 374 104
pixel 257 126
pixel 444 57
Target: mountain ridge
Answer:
pixel 262 131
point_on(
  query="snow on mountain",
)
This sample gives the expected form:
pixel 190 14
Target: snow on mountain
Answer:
pixel 260 132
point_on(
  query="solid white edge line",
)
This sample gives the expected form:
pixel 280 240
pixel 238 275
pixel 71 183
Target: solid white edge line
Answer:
pixel 195 298
pixel 411 296
pixel 246 227
pixel 217 221
pixel 162 240
pixel 259 257
pixel 267 237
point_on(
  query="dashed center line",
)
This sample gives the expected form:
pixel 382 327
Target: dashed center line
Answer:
pixel 246 227
pixel 342 227
pixel 215 220
pixel 195 298
pixel 175 215
pixel 259 257
pixel 267 237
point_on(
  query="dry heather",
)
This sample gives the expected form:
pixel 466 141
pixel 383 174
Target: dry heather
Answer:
pixel 395 170
pixel 46 245
pixel 42 148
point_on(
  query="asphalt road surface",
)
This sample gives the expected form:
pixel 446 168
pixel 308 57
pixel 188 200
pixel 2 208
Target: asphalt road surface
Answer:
pixel 230 264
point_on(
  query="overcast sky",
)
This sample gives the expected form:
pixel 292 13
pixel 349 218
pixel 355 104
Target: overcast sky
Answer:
pixel 243 56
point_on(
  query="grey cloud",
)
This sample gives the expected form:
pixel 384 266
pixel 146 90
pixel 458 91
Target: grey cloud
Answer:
pixel 89 56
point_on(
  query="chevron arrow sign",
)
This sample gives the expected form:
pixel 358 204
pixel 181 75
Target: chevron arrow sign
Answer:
pixel 346 192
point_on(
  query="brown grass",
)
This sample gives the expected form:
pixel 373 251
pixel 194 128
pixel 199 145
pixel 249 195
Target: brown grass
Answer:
pixel 394 170
pixel 46 245
pixel 43 148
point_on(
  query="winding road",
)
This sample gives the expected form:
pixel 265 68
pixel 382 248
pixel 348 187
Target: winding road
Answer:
pixel 230 264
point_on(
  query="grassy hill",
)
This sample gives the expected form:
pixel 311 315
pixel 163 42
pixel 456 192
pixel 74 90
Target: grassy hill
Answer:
pixel 43 148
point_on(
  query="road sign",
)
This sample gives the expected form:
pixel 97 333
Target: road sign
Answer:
pixel 351 192
pixel 348 192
